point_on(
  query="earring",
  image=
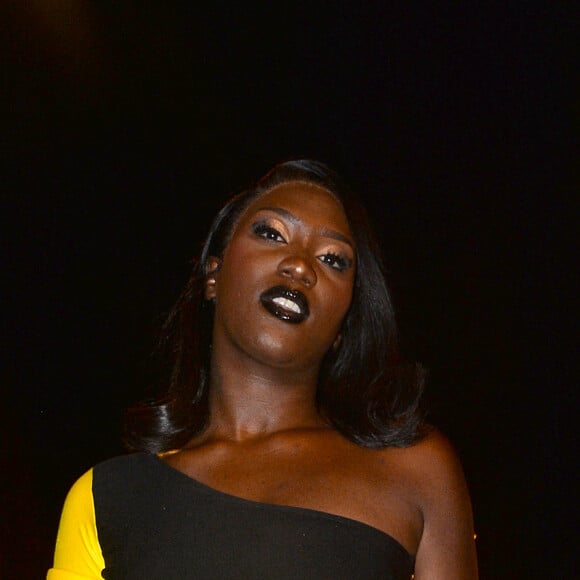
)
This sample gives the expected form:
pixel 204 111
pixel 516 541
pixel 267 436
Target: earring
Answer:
pixel 210 284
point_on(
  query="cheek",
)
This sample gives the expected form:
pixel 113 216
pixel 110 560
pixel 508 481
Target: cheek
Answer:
pixel 235 266
pixel 240 274
pixel 343 294
pixel 337 308
pixel 341 312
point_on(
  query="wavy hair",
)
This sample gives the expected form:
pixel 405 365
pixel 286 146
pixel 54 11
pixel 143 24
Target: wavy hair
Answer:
pixel 364 390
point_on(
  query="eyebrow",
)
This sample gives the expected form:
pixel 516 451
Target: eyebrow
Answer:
pixel 325 232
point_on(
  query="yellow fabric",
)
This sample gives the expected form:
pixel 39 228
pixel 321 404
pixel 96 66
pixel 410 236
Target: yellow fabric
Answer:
pixel 78 555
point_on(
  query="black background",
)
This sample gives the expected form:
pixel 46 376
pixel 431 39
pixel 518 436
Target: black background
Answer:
pixel 126 125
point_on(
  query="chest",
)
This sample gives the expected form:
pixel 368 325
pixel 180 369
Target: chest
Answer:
pixel 346 483
pixel 158 523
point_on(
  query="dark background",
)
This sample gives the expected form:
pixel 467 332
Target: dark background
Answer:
pixel 125 126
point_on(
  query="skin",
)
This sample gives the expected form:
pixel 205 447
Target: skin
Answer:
pixel 266 441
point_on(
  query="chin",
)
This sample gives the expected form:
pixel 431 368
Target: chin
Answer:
pixel 276 350
pixel 279 351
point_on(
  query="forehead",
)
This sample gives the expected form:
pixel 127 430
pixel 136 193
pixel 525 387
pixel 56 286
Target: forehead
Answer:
pixel 307 201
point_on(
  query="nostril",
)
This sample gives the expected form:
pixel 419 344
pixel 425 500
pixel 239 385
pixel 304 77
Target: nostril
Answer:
pixel 298 270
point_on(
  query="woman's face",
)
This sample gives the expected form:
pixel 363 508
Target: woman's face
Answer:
pixel 285 281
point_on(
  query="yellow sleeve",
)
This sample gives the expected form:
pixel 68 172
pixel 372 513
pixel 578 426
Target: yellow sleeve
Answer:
pixel 78 554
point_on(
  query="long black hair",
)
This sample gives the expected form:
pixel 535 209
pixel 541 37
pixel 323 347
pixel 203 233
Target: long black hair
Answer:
pixel 364 390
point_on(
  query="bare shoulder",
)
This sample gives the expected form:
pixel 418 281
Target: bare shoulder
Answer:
pixel 429 467
pixel 446 548
pixel 434 462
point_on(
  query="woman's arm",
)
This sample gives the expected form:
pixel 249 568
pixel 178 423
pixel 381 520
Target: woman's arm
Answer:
pixel 78 554
pixel 447 546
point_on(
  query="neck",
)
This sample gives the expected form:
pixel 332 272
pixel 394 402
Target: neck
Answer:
pixel 253 400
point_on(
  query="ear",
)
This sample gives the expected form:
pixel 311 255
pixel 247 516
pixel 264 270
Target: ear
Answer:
pixel 337 341
pixel 211 269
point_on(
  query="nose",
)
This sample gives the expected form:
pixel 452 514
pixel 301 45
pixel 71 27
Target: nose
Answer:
pixel 298 269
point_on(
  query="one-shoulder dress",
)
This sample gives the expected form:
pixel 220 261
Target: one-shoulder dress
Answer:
pixel 135 517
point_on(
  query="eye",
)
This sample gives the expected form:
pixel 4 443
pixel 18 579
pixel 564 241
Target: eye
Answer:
pixel 263 230
pixel 335 261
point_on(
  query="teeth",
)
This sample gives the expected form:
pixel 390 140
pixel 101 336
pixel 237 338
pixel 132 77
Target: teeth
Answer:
pixel 287 304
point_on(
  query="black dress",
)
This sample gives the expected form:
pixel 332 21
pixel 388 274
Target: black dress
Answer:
pixel 154 522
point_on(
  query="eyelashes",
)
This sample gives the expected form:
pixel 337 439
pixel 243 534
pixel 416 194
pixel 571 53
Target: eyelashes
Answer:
pixel 335 260
pixel 263 230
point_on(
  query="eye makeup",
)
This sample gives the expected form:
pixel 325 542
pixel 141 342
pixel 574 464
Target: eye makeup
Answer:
pixel 264 229
pixel 269 231
pixel 337 261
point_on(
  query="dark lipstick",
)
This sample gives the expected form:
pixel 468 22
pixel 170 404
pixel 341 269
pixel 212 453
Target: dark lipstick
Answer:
pixel 286 304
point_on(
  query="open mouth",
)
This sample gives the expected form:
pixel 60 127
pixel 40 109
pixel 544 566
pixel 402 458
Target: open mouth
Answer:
pixel 286 304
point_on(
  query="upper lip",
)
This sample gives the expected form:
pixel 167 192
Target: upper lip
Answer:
pixel 285 311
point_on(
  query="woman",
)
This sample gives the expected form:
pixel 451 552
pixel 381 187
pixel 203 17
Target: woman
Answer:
pixel 289 443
